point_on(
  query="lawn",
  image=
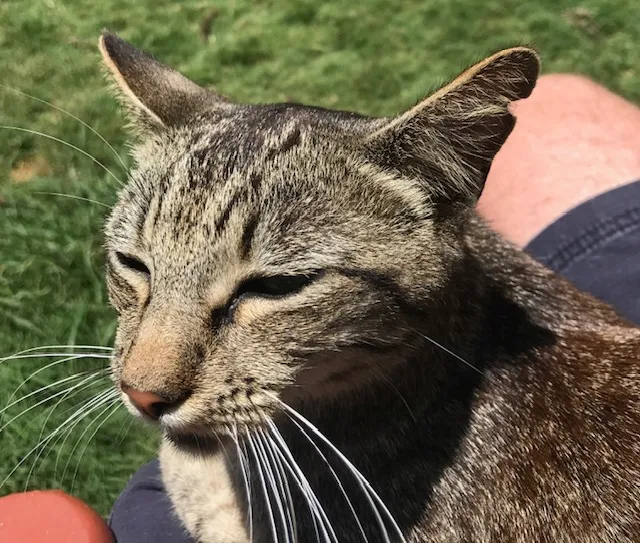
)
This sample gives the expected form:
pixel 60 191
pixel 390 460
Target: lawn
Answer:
pixel 373 56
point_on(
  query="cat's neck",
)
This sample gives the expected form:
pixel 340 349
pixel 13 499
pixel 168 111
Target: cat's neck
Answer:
pixel 495 308
pixel 472 362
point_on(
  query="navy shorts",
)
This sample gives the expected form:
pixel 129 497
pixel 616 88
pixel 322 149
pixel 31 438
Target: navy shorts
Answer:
pixel 595 245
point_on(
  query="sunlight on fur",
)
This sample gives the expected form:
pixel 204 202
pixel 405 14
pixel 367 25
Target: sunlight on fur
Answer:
pixel 333 345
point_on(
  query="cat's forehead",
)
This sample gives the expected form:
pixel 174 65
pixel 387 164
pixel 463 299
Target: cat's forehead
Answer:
pixel 228 144
pixel 266 127
pixel 230 177
pixel 270 118
pixel 266 184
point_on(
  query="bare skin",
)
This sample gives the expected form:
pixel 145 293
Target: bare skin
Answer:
pixel 574 139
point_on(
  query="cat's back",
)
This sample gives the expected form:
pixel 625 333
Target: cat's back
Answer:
pixel 552 452
pixel 553 445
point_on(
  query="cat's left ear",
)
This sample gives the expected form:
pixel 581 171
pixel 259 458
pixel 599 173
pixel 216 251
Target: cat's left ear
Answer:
pixel 154 94
pixel 449 140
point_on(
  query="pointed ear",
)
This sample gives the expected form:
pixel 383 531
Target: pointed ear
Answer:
pixel 154 93
pixel 449 140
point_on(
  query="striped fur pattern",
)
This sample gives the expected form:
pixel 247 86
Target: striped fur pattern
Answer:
pixel 351 353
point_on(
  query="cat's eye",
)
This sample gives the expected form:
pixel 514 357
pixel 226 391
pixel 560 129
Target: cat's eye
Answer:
pixel 266 286
pixel 132 263
pixel 275 286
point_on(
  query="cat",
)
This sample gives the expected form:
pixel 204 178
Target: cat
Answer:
pixel 333 343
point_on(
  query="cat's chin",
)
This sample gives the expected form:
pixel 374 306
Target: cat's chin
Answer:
pixel 193 443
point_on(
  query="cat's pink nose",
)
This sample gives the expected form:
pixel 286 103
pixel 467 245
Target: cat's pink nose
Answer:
pixel 148 403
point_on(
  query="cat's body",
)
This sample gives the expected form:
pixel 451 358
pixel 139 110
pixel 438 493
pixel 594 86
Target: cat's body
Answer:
pixel 274 256
pixel 543 446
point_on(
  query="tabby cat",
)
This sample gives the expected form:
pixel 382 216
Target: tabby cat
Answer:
pixel 336 347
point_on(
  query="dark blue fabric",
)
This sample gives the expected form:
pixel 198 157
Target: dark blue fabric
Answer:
pixel 143 512
pixel 595 245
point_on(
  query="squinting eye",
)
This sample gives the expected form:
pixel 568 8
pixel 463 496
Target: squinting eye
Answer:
pixel 132 263
pixel 276 286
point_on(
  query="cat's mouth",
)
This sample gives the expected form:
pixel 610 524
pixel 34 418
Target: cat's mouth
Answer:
pixel 197 424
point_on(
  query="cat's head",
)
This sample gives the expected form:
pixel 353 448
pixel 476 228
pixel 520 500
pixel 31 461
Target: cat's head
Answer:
pixel 268 251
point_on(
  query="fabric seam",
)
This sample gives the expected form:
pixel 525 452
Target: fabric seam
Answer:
pixel 593 237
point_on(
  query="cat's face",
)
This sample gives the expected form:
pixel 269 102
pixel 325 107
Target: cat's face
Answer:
pixel 265 252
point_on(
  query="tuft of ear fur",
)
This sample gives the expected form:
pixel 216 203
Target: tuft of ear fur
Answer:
pixel 450 139
pixel 154 94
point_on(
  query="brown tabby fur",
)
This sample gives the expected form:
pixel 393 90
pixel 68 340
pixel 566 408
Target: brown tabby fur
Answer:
pixel 483 397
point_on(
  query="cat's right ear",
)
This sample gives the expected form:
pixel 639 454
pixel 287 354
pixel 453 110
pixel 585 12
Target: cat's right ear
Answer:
pixel 448 140
pixel 155 95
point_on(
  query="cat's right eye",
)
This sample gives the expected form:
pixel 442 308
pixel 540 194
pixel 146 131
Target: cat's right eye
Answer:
pixel 132 263
pixel 271 286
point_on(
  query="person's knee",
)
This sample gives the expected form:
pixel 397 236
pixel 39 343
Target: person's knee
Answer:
pixel 36 516
pixel 566 86
pixel 573 139
pixel 143 513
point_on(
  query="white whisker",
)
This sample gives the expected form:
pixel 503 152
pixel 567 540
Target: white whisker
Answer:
pixel 49 398
pixel 108 398
pixel 283 483
pixel 44 424
pixel 55 355
pixel 222 447
pixel 274 487
pixel 450 352
pixel 272 522
pixel 120 437
pixel 70 115
pixel 42 389
pixel 90 405
pixel 39 370
pixel 313 511
pixel 364 483
pixel 380 371
pixel 74 197
pixel 48 136
pixel 285 453
pixel 335 476
pixel 246 474
pixel 44 443
pixel 113 407
pixel 45 347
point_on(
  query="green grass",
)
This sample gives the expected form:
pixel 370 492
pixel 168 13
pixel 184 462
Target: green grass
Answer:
pixel 374 56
